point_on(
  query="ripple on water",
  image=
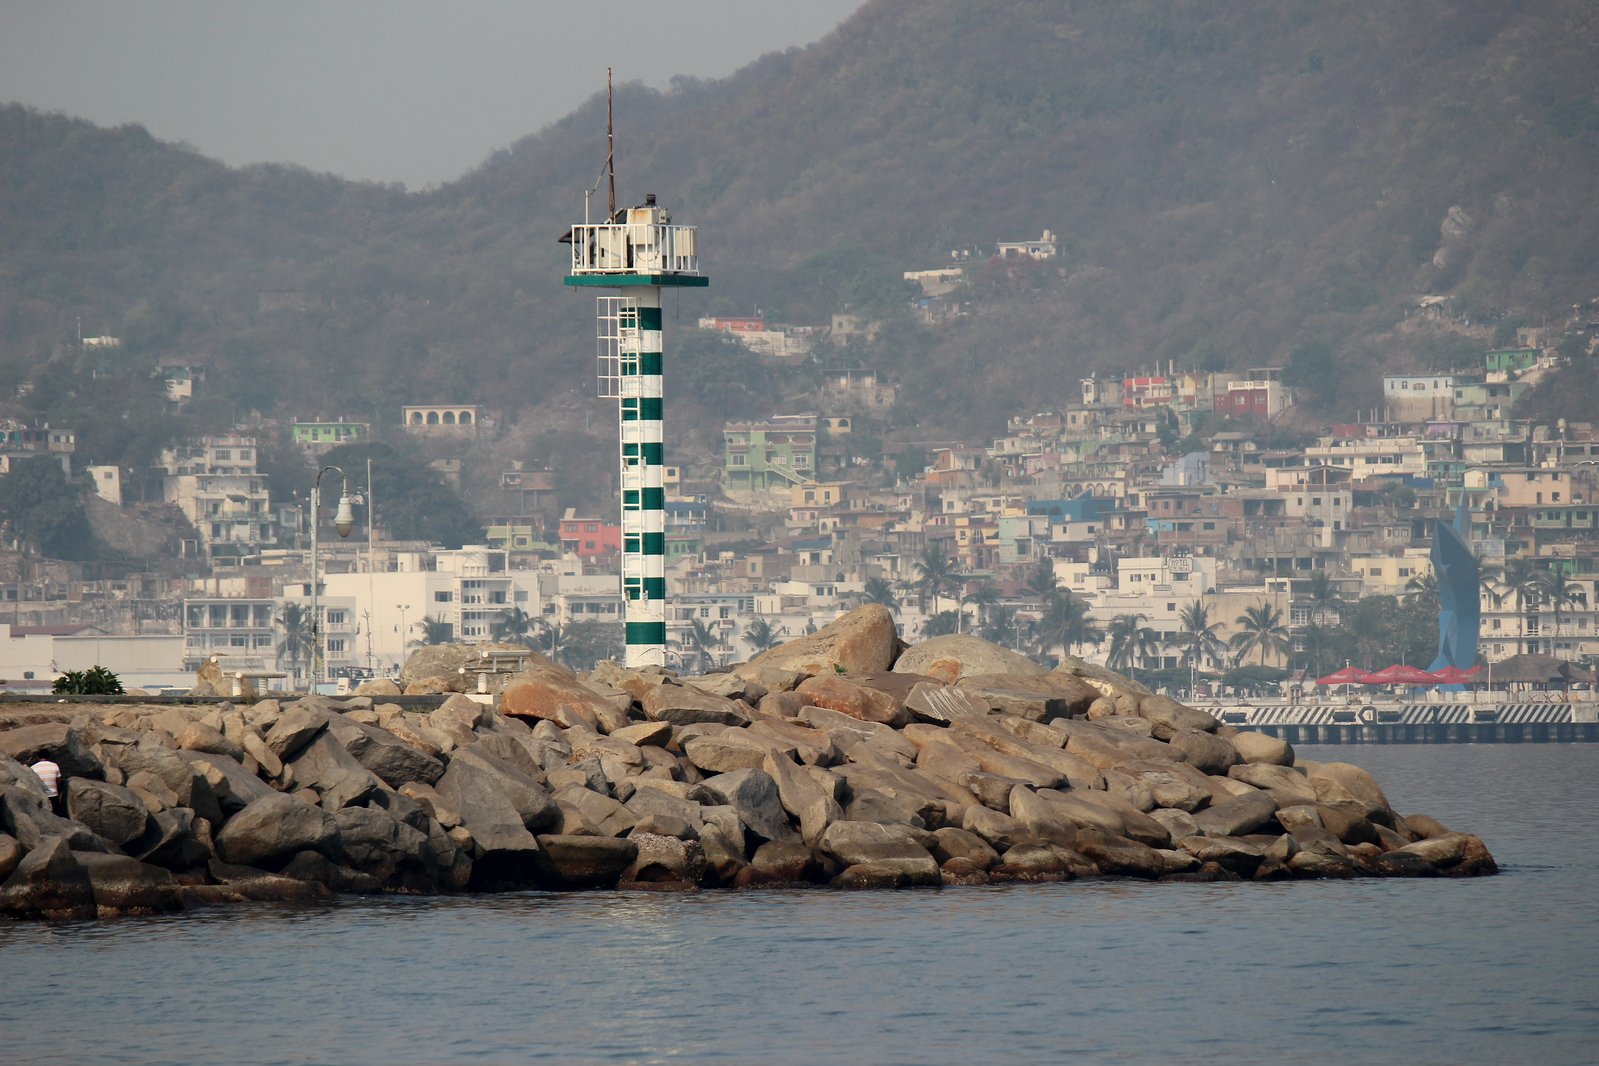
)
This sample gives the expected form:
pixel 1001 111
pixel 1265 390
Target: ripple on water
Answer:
pixel 1107 971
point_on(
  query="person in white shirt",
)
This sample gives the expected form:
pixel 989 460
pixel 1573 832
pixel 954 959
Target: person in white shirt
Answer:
pixel 50 774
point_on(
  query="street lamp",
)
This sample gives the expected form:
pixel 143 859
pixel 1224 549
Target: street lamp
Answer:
pixel 403 630
pixel 343 522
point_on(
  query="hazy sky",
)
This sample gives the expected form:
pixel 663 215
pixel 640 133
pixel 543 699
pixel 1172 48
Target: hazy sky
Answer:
pixel 384 90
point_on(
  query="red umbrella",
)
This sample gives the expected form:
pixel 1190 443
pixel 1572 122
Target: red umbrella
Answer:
pixel 1454 675
pixel 1401 674
pixel 1349 675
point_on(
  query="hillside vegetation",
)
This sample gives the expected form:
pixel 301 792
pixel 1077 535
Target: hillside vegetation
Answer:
pixel 1231 183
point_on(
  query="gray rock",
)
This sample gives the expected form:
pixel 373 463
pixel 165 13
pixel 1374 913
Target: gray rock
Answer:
pixel 274 828
pixel 296 727
pixel 588 862
pixel 663 859
pixel 1258 748
pixel 941 704
pixel 735 749
pixel 683 705
pixel 33 825
pixel 1238 816
pixel 1044 821
pixel 49 883
pixel 112 811
pixel 16 775
pixel 781 864
pixel 953 843
pixel 999 829
pixel 186 784
pixel 125 886
pixel 55 741
pixel 175 840
pixel 803 796
pixel 505 855
pixel 953 655
pixel 593 814
pixel 891 873
pixel 1289 785
pixel 10 855
pixel 532 803
pixel 1205 751
pixel 1454 855
pixel 1168 717
pixel 722 835
pixel 234 786
pixel 1119 856
pixel 322 764
pixel 753 795
pixel 851 843
pixel 396 854
pixel 390 759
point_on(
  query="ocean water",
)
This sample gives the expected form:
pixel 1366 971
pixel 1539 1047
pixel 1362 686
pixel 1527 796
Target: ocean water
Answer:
pixel 1502 969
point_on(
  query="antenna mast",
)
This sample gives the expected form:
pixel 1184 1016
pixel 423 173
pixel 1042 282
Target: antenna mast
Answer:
pixel 610 146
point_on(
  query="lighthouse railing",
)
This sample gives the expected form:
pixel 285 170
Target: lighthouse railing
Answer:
pixel 621 248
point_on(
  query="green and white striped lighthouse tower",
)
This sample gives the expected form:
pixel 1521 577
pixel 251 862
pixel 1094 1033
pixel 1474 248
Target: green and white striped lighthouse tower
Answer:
pixel 637 252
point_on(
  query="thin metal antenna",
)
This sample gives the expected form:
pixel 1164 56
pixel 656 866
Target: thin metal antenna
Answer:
pixel 610 145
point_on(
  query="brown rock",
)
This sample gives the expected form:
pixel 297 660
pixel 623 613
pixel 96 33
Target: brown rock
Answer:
pixel 682 705
pixel 952 656
pixel 846 696
pixel 863 641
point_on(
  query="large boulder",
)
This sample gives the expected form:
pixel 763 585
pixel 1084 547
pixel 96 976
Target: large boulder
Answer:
pixel 587 861
pixel 865 640
pixel 49 883
pixel 110 810
pixel 686 705
pixel 754 797
pixel 56 741
pixel 447 660
pixel 394 762
pixel 275 828
pixel 554 695
pixel 847 696
pixel 953 656
pixel 125 886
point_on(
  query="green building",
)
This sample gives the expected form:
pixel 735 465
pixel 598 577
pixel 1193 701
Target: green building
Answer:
pixel 320 436
pixel 776 453
pixel 1510 360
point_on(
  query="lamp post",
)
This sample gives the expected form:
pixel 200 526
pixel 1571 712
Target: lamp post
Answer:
pixel 403 630
pixel 343 522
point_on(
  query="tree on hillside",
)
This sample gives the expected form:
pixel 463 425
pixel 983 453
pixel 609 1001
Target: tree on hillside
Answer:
pixel 44 511
pixel 1066 624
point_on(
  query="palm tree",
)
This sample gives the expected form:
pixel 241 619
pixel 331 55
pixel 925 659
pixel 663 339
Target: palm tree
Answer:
pixel 296 624
pixel 760 635
pixel 1523 581
pixel 1198 637
pixel 1324 598
pixel 936 573
pixel 701 639
pixel 516 626
pixel 1263 631
pixel 1131 642
pixel 1041 580
pixel 552 640
pixel 880 590
pixel 1001 624
pixel 1066 624
pixel 1559 591
pixel 985 595
pixel 941 624
pixel 435 631
pixel 1424 587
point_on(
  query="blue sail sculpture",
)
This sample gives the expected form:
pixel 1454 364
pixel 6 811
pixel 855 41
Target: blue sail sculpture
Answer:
pixel 1459 611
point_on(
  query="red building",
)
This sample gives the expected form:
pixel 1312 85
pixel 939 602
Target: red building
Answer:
pixel 589 537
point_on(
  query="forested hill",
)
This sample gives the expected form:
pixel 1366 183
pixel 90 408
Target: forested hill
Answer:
pixel 1230 182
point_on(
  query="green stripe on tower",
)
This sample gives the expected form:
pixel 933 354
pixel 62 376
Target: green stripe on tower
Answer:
pixel 649 408
pixel 649 363
pixel 655 544
pixel 654 453
pixel 655 499
pixel 646 632
pixel 655 588
pixel 649 318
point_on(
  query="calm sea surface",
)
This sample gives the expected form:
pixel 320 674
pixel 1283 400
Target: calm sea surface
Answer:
pixel 1502 969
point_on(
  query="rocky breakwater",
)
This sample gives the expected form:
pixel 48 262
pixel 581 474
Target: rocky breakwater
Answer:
pixel 841 759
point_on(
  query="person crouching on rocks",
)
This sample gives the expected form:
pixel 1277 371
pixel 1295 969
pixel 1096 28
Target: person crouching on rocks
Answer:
pixel 50 775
